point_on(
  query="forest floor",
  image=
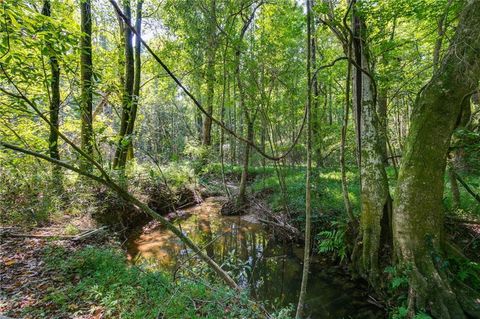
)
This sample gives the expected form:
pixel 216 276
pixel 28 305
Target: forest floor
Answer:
pixel 27 279
pixel 51 278
pixel 42 278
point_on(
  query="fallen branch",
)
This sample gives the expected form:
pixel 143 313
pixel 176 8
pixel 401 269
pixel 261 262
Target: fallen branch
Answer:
pixel 59 237
pixel 106 180
pixel 292 231
pixel 467 188
pixel 10 232
pixel 463 221
pixel 89 233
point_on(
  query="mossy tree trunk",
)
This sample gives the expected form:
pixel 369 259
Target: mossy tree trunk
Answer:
pixel 418 219
pixel 375 197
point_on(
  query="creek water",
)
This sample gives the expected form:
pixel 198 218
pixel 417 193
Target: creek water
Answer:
pixel 271 270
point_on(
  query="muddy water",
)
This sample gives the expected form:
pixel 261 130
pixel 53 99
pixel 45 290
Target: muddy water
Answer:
pixel 272 271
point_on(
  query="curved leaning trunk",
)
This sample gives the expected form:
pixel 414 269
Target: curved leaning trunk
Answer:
pixel 418 213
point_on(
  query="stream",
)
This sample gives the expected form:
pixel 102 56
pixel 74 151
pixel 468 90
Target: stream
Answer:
pixel 271 270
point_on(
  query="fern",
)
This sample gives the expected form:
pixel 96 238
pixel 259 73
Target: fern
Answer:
pixel 332 241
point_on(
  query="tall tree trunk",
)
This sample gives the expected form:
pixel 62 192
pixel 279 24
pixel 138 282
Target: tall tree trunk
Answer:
pixel 418 214
pixel 375 198
pixel 241 199
pixel 242 192
pixel 308 201
pixel 54 108
pixel 316 110
pixel 119 160
pixel 210 74
pixel 346 196
pixel 136 80
pixel 86 73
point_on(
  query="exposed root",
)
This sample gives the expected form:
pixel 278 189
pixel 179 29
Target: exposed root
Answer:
pixel 431 290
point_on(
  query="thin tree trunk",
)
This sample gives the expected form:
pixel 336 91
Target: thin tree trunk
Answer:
pixel 454 187
pixel 246 115
pixel 86 85
pixel 225 91
pixel 346 197
pixel 242 192
pixel 308 207
pixel 119 160
pixel 136 81
pixel 316 110
pixel 210 74
pixel 441 33
pixel 54 109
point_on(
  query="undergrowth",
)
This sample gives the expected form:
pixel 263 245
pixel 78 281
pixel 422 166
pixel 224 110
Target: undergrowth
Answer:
pixel 101 277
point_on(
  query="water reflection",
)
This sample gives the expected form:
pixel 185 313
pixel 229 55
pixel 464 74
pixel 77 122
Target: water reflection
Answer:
pixel 272 271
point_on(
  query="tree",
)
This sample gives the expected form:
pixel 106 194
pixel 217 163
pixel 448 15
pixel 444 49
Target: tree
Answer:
pixel 418 219
pixel 375 198
pixel 247 117
pixel 54 107
pixel 86 77
pixel 124 139
pixel 136 80
pixel 212 44
pixel 308 190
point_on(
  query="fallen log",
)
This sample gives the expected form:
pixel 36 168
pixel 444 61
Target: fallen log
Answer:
pixel 81 236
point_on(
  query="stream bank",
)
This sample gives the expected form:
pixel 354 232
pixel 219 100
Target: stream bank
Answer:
pixel 269 269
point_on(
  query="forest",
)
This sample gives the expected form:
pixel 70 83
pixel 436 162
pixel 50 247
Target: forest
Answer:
pixel 240 159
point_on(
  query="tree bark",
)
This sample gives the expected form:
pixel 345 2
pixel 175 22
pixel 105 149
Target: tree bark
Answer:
pixel 308 191
pixel 54 108
pixel 418 214
pixel 454 187
pixel 241 199
pixel 383 122
pixel 119 160
pixel 346 196
pixel 210 74
pixel 86 73
pixel 375 197
pixel 316 110
pixel 136 80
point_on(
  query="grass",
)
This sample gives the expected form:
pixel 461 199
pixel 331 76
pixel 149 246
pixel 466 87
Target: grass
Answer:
pixel 327 197
pixel 468 204
pixel 101 277
pixel 327 190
